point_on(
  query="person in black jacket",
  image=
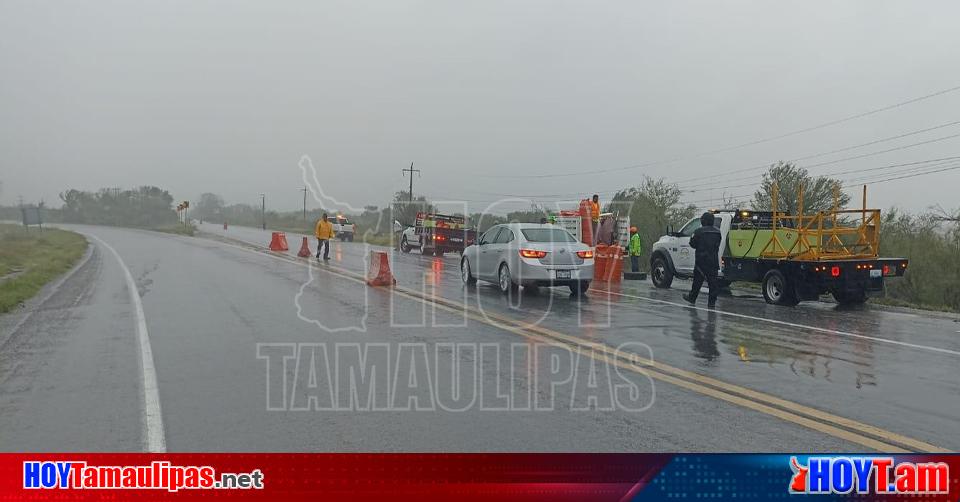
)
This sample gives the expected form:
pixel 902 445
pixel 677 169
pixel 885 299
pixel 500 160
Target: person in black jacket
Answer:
pixel 706 240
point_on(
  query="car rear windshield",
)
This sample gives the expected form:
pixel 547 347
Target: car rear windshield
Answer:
pixel 547 235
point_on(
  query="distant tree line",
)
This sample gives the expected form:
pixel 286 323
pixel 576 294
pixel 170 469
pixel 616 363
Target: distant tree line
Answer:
pixel 145 206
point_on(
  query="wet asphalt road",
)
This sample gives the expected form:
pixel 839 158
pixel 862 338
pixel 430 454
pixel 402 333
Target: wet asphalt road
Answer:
pixel 750 377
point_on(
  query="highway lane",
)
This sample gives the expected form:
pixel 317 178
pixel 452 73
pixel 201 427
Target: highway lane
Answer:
pixel 886 368
pixel 208 305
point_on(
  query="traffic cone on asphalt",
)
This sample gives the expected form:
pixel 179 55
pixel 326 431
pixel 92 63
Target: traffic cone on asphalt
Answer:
pixel 278 242
pixel 304 249
pixel 378 273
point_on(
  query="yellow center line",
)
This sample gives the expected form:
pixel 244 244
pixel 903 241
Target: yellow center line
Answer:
pixel 818 420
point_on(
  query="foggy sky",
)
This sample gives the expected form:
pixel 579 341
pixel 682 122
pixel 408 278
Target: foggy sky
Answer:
pixel 225 97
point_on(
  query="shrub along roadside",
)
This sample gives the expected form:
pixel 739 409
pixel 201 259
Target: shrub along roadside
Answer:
pixel 29 260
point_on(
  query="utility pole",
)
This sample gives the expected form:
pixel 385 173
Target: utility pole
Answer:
pixel 411 170
pixel 304 190
pixel 263 211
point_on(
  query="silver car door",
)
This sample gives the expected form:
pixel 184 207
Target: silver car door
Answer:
pixel 485 255
pixel 505 240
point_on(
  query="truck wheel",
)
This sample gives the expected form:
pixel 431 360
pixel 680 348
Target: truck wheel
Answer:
pixel 850 297
pixel 404 245
pixel 660 272
pixel 777 289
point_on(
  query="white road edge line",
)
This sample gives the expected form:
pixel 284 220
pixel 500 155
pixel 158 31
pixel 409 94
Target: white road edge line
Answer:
pixel 789 324
pixel 152 417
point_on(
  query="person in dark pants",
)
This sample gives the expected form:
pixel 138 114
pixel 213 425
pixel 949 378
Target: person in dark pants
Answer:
pixel 635 249
pixel 324 233
pixel 706 242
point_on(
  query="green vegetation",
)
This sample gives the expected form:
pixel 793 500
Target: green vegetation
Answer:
pixel 28 260
pixel 819 193
pixel 932 279
pixel 144 207
pixel 653 205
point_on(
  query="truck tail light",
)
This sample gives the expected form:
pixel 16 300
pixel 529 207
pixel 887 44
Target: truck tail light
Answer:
pixel 532 253
pixel 585 254
pixel 834 271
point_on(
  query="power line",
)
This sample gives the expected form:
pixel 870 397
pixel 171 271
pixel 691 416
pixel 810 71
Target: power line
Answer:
pixel 706 184
pixel 891 166
pixel 869 180
pixel 838 150
pixel 735 147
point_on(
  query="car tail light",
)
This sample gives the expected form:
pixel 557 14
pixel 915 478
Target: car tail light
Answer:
pixel 532 253
pixel 585 254
pixel 835 271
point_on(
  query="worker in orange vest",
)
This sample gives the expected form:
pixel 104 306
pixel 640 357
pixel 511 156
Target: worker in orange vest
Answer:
pixel 324 232
pixel 595 216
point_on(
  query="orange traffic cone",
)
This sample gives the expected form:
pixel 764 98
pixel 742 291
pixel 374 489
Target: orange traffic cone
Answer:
pixel 378 273
pixel 304 249
pixel 278 242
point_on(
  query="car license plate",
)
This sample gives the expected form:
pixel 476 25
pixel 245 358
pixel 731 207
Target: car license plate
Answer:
pixel 876 272
pixel 564 274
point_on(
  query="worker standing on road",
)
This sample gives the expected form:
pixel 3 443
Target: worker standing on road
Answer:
pixel 324 233
pixel 635 249
pixel 706 240
pixel 595 216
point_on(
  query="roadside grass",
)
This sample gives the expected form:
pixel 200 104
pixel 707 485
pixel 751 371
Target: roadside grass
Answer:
pixel 29 260
pixel 176 228
pixel 896 302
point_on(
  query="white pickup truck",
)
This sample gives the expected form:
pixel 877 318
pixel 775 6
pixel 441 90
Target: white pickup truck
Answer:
pixel 343 228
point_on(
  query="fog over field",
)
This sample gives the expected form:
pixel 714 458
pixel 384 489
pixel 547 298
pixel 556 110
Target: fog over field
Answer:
pixel 485 97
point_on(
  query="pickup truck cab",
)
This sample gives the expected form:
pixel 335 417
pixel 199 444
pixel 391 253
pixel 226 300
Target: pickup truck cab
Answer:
pixel 671 256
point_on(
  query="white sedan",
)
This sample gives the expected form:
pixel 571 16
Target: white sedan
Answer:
pixel 528 255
